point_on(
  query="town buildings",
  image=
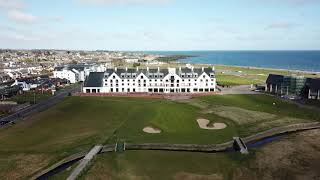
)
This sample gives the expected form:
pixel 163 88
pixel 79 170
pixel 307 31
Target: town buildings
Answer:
pixel 151 80
pixel 73 73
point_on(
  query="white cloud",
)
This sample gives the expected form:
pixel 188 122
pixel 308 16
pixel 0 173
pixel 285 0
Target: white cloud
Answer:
pixel 295 2
pixel 11 4
pixel 122 2
pixel 281 25
pixel 22 17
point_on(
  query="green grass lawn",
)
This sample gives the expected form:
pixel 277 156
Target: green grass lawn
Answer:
pixel 159 165
pixel 78 123
pixel 231 80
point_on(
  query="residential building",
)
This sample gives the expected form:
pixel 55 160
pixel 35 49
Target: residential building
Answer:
pixel 73 73
pixel 152 80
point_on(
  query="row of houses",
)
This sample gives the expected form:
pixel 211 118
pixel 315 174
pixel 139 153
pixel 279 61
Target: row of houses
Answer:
pixel 76 72
pixel 151 80
pixel 293 85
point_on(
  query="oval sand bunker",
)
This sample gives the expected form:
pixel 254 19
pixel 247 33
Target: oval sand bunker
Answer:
pixel 151 130
pixel 204 124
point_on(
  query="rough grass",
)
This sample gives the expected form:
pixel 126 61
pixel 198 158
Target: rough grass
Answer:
pixel 240 115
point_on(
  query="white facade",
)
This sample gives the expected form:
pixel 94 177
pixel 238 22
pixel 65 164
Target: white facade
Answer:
pixel 171 80
pixel 66 74
pixel 71 73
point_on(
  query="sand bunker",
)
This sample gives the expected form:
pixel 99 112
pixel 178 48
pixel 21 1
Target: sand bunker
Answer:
pixel 151 130
pixel 205 124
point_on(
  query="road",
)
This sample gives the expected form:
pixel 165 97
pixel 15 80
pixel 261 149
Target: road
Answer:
pixel 43 105
pixel 243 89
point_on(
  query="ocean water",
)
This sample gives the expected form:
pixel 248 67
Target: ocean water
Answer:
pixel 293 60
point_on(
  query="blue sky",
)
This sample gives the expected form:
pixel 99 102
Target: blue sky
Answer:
pixel 160 24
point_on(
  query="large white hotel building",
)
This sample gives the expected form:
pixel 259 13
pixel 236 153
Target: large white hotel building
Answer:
pixel 151 80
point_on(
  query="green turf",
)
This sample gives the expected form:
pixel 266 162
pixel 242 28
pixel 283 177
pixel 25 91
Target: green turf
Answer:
pixel 231 80
pixel 78 123
pixel 263 103
pixel 164 165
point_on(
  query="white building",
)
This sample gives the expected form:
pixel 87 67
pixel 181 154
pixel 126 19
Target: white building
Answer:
pixel 73 73
pixel 171 80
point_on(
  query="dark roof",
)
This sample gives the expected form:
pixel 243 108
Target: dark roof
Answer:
pixel 95 79
pixel 154 73
pixel 313 83
pixel 275 79
pixel 208 71
pixel 78 67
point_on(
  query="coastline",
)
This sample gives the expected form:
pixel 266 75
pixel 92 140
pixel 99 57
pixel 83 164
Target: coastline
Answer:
pixel 254 68
pixel 273 69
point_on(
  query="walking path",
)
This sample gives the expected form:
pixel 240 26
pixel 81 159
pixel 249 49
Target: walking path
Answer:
pixel 85 162
pixel 243 89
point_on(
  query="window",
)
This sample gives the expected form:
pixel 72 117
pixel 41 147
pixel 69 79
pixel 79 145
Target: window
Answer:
pixel 87 90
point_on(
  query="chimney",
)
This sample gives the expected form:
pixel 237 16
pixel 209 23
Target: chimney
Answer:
pixel 158 69
pixel 213 68
pixel 202 69
pixel 180 68
pixel 137 69
pixel 126 68
pixel 115 69
pixel 148 69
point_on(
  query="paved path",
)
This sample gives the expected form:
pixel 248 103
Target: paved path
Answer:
pixel 242 145
pixel 85 162
pixel 243 89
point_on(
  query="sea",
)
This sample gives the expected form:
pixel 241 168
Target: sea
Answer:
pixel 291 60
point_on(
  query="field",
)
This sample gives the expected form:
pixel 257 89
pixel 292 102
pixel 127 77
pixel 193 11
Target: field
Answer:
pixel 78 123
pixel 299 160
pixel 233 75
